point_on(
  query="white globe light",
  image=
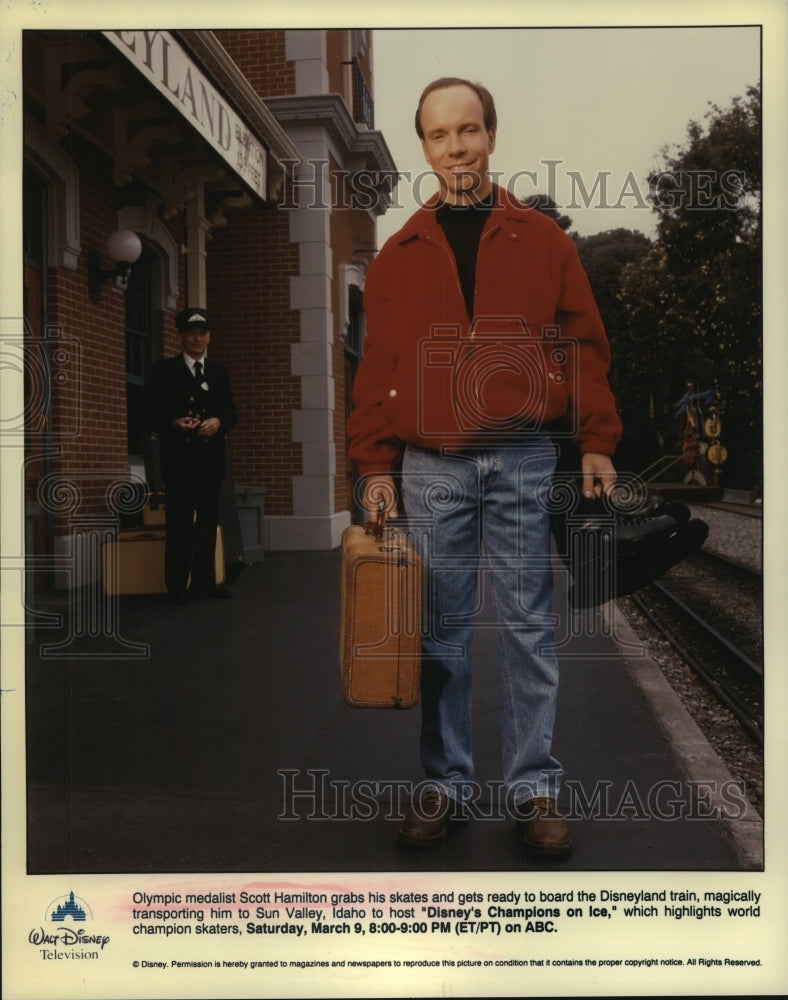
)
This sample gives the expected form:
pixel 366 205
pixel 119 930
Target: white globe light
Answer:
pixel 124 246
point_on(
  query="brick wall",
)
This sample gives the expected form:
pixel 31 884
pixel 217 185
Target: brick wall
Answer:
pixel 248 270
pixel 96 401
pixel 249 267
pixel 260 55
pixel 335 55
pixel 93 335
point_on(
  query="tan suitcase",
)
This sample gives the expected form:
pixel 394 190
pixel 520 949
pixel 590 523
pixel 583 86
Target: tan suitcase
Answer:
pixel 379 619
pixel 134 564
pixel 153 517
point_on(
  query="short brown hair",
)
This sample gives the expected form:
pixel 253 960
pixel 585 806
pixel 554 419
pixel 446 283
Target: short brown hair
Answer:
pixel 484 95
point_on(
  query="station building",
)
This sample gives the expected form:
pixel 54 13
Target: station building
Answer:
pixel 248 165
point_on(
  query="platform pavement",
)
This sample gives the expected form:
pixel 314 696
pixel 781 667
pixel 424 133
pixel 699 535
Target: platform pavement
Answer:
pixel 172 744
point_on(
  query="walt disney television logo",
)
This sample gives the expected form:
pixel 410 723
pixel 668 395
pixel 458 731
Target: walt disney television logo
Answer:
pixel 64 941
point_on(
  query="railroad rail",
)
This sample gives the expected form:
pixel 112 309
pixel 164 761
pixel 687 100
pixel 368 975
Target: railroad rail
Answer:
pixel 730 665
pixel 730 564
pixel 731 506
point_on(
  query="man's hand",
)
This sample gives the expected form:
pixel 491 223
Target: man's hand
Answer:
pixel 185 424
pixel 209 427
pixel 377 490
pixel 599 476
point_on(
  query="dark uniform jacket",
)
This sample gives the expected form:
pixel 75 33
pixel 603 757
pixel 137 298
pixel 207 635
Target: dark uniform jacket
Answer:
pixel 174 392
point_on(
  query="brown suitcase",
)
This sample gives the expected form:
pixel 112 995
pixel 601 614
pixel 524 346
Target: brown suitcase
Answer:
pixel 134 563
pixel 379 619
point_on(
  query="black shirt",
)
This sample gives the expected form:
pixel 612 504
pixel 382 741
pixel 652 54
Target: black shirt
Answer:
pixel 462 225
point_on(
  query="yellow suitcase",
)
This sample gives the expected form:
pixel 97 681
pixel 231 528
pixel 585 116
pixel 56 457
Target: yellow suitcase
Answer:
pixel 380 599
pixel 134 564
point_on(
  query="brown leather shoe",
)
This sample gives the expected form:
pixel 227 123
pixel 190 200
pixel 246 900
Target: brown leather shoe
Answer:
pixel 545 833
pixel 427 823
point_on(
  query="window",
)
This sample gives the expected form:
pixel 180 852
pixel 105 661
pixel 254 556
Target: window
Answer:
pixel 355 323
pixel 34 213
pixel 354 334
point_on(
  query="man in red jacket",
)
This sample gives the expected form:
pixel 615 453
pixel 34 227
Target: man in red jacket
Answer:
pixel 483 342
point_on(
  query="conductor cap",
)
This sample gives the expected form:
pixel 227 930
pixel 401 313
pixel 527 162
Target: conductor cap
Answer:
pixel 187 319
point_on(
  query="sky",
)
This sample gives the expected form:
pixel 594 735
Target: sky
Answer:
pixel 574 105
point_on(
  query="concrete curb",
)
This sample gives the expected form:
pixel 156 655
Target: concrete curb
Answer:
pixel 693 751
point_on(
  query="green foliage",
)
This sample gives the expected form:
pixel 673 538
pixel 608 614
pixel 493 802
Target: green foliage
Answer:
pixel 547 205
pixel 605 257
pixel 693 301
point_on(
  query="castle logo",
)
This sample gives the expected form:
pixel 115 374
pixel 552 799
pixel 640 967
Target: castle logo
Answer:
pixel 68 908
pixel 65 941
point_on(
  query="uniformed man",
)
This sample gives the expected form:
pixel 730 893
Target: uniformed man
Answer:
pixel 192 411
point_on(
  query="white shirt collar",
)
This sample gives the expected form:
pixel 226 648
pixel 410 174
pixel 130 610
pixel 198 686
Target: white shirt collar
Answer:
pixel 191 362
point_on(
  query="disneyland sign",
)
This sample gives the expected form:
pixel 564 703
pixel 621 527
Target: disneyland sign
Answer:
pixel 164 63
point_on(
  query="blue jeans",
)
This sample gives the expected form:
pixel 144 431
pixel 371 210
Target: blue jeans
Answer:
pixel 477 513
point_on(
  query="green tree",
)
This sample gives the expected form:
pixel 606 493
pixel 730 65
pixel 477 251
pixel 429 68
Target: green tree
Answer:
pixel 604 257
pixel 548 206
pixel 694 300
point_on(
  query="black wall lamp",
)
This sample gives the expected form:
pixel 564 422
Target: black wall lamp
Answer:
pixel 124 248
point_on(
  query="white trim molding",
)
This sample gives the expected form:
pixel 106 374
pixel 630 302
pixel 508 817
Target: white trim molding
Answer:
pixel 144 219
pixel 62 177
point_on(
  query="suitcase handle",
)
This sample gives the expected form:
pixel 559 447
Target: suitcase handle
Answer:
pixel 383 533
pixel 376 528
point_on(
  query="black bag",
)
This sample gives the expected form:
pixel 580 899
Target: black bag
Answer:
pixel 610 554
pixel 615 544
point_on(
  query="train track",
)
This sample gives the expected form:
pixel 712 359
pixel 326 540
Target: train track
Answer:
pixel 709 610
pixel 730 507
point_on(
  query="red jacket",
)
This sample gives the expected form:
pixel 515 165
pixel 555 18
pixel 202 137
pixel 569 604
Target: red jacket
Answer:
pixel 536 354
